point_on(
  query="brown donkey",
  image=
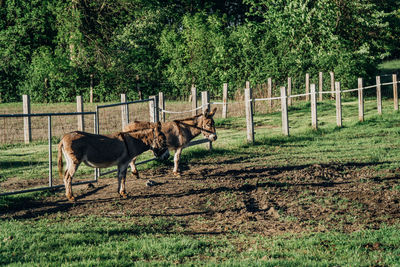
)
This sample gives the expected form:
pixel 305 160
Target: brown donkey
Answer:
pixel 179 133
pixel 102 151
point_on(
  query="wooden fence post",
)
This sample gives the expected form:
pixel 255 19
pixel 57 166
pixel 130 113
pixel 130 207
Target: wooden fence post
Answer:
pixel 395 94
pixel 124 111
pixel 153 108
pixel 285 119
pixel 205 103
pixel 314 120
pixel 247 84
pixel 91 88
pixel 194 100
pixel 249 114
pixel 252 101
pixel 338 105
pixel 379 94
pixel 139 90
pixel 79 108
pixel 161 104
pixel 332 74
pixel 289 90
pixel 269 95
pixel 26 106
pixel 225 101
pixel 360 100
pixel 307 86
pixel 320 85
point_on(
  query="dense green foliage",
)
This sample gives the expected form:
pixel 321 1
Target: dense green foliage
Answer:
pixel 49 49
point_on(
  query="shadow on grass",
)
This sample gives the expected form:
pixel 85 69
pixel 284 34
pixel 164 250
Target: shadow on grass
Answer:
pixel 252 173
pixel 34 200
pixel 242 181
pixel 21 201
pixel 380 121
pixel 244 149
pixel 4 165
pixel 192 155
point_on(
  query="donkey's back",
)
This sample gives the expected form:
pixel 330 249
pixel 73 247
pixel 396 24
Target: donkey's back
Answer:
pixel 176 135
pixel 94 150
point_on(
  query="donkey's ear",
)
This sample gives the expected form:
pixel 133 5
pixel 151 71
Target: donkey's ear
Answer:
pixel 205 112
pixel 158 125
pixel 212 113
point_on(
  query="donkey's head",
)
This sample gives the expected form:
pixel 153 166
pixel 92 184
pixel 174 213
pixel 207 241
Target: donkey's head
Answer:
pixel 206 123
pixel 159 144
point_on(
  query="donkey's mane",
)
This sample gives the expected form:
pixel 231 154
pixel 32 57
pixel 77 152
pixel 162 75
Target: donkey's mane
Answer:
pixel 189 118
pixel 142 134
pixel 136 131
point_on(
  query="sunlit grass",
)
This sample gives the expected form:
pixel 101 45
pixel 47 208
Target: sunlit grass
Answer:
pixel 390 65
pixel 138 242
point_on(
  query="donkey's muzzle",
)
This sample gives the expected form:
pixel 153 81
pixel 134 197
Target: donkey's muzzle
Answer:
pixel 212 137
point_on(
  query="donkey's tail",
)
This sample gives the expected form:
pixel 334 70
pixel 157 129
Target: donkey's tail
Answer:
pixel 60 160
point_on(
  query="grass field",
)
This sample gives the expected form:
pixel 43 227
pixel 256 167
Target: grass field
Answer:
pixel 62 238
pixel 102 242
pixel 391 66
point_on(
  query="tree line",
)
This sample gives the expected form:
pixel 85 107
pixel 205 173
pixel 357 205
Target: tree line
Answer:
pixel 50 48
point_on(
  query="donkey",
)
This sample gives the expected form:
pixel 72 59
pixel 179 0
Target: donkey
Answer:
pixel 179 133
pixel 102 151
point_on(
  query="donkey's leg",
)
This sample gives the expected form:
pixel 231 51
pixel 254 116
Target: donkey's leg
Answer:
pixel 177 157
pixel 121 181
pixel 134 171
pixel 69 173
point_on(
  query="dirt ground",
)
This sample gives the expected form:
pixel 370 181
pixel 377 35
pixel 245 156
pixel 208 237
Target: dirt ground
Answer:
pixel 237 195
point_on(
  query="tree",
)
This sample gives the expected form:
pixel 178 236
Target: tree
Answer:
pixel 311 36
pixel 196 53
pixel 25 26
pixel 53 47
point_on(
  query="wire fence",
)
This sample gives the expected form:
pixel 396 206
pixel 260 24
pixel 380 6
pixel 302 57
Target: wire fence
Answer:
pixel 324 92
pixel 28 136
pixel 312 96
pixel 110 118
pixel 107 118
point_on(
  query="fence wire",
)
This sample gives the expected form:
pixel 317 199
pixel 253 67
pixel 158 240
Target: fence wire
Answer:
pixel 110 121
pixel 323 92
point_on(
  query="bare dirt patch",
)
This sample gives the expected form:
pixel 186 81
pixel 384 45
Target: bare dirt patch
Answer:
pixel 231 196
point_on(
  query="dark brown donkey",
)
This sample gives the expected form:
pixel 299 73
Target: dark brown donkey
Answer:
pixel 102 151
pixel 179 133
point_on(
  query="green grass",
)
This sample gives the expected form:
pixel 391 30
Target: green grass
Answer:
pixel 390 65
pixel 147 241
pixel 374 140
pixel 105 242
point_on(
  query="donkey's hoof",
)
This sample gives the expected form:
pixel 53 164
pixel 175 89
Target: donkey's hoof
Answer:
pixel 123 195
pixel 177 174
pixel 71 198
